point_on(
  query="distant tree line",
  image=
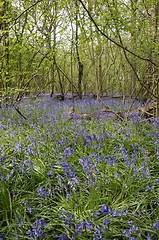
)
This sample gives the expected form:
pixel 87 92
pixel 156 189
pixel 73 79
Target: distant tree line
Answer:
pixel 81 46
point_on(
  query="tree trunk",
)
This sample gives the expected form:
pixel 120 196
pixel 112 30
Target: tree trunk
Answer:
pixel 72 92
pixel 80 65
pixel 61 86
pixel 99 77
pixel 133 43
pixel 157 54
pixel 4 66
pixel 123 76
pixel 54 50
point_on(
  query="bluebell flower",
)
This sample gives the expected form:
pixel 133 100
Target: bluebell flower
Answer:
pixel 105 209
pixel 149 187
pixel 149 237
pixel 106 222
pixel 51 165
pixel 115 213
pixel 30 210
pixel 30 233
pixel 20 222
pixel 86 143
pixel 156 225
pixel 4 178
pixel 127 233
pixel 50 173
pixel 2 236
pixel 18 147
pixel 116 174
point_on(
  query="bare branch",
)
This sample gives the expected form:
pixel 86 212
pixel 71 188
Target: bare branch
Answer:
pixel 19 112
pixel 26 11
pixel 110 39
pixel 15 20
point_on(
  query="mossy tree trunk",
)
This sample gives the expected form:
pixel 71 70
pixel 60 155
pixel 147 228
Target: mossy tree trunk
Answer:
pixel 4 56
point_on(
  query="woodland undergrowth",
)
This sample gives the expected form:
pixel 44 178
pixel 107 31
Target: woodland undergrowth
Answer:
pixel 63 178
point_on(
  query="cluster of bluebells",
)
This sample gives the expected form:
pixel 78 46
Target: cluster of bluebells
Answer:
pixel 28 208
pixel 2 236
pixel 76 227
pixel 90 169
pixel 37 229
pixel 44 194
pixel 69 180
pixel 96 228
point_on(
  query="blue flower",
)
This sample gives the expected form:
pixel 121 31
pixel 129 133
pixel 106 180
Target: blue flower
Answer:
pixel 85 143
pixel 116 174
pixel 156 225
pixel 106 222
pixel 148 237
pixel 2 236
pixel 105 209
pixel 50 173
pixel 30 209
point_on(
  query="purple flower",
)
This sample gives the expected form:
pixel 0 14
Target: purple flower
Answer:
pixel 30 233
pixel 67 152
pixel 30 209
pixel 4 178
pixel 2 236
pixel 148 237
pixel 37 228
pixel 127 233
pixel 156 225
pixel 106 222
pixel 20 222
pixel 18 148
pixel 50 173
pixel 105 209
pixel 85 143
pixel 116 174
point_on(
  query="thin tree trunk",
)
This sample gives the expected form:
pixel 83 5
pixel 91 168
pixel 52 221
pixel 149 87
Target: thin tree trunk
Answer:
pixel 123 76
pixel 99 77
pixel 72 67
pixel 54 51
pixel 60 82
pixel 5 54
pixel 157 55
pixel 80 65
pixel 133 43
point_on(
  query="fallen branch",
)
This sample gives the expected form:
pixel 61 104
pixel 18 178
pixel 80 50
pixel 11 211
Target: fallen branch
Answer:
pixel 109 110
pixel 148 111
pixel 147 119
pixel 18 111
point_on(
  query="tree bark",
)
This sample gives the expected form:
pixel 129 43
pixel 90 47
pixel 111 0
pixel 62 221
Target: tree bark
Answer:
pixel 157 54
pixel 4 66
pixel 54 49
pixel 133 44
pixel 80 65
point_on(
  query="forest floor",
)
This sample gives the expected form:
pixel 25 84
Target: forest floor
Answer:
pixel 65 177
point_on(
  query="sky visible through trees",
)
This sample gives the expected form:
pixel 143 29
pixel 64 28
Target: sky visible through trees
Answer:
pixel 79 47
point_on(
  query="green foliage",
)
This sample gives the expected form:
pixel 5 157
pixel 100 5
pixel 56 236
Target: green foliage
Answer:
pixel 47 30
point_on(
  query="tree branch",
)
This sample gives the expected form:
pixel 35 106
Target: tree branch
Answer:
pixel 60 69
pixel 110 39
pixel 25 11
pixel 15 19
pixel 19 112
